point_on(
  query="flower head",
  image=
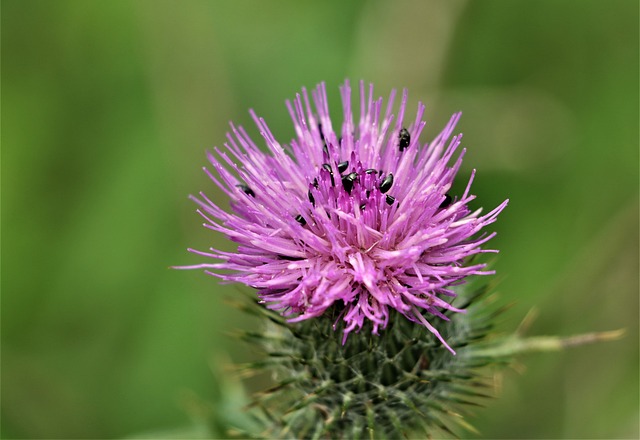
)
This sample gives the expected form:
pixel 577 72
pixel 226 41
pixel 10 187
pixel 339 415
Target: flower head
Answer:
pixel 360 217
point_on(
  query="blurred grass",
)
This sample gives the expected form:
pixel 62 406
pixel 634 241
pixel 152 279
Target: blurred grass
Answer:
pixel 109 106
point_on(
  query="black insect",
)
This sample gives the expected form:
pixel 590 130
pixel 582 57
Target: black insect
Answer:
pixel 362 206
pixel 390 200
pixel 327 167
pixel 311 199
pixel 288 258
pixel 300 219
pixel 370 171
pixel 386 183
pixel 446 202
pixel 246 189
pixel 342 166
pixel 347 181
pixel 404 139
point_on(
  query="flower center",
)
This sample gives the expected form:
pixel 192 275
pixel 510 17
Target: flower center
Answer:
pixel 349 188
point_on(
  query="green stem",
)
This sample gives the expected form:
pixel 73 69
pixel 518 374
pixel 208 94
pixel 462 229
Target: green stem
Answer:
pixel 515 344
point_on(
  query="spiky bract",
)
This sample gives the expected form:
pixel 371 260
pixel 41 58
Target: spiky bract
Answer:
pixel 401 384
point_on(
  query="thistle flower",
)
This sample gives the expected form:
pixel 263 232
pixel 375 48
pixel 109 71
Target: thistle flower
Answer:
pixel 361 220
pixel 359 229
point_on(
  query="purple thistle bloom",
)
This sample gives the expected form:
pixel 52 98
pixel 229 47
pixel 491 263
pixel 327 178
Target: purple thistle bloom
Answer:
pixel 360 217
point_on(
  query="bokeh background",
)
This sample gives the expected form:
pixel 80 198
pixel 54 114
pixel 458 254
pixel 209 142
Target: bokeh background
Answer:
pixel 108 108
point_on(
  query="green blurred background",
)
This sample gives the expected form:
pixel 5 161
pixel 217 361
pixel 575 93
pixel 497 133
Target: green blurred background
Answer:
pixel 108 108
